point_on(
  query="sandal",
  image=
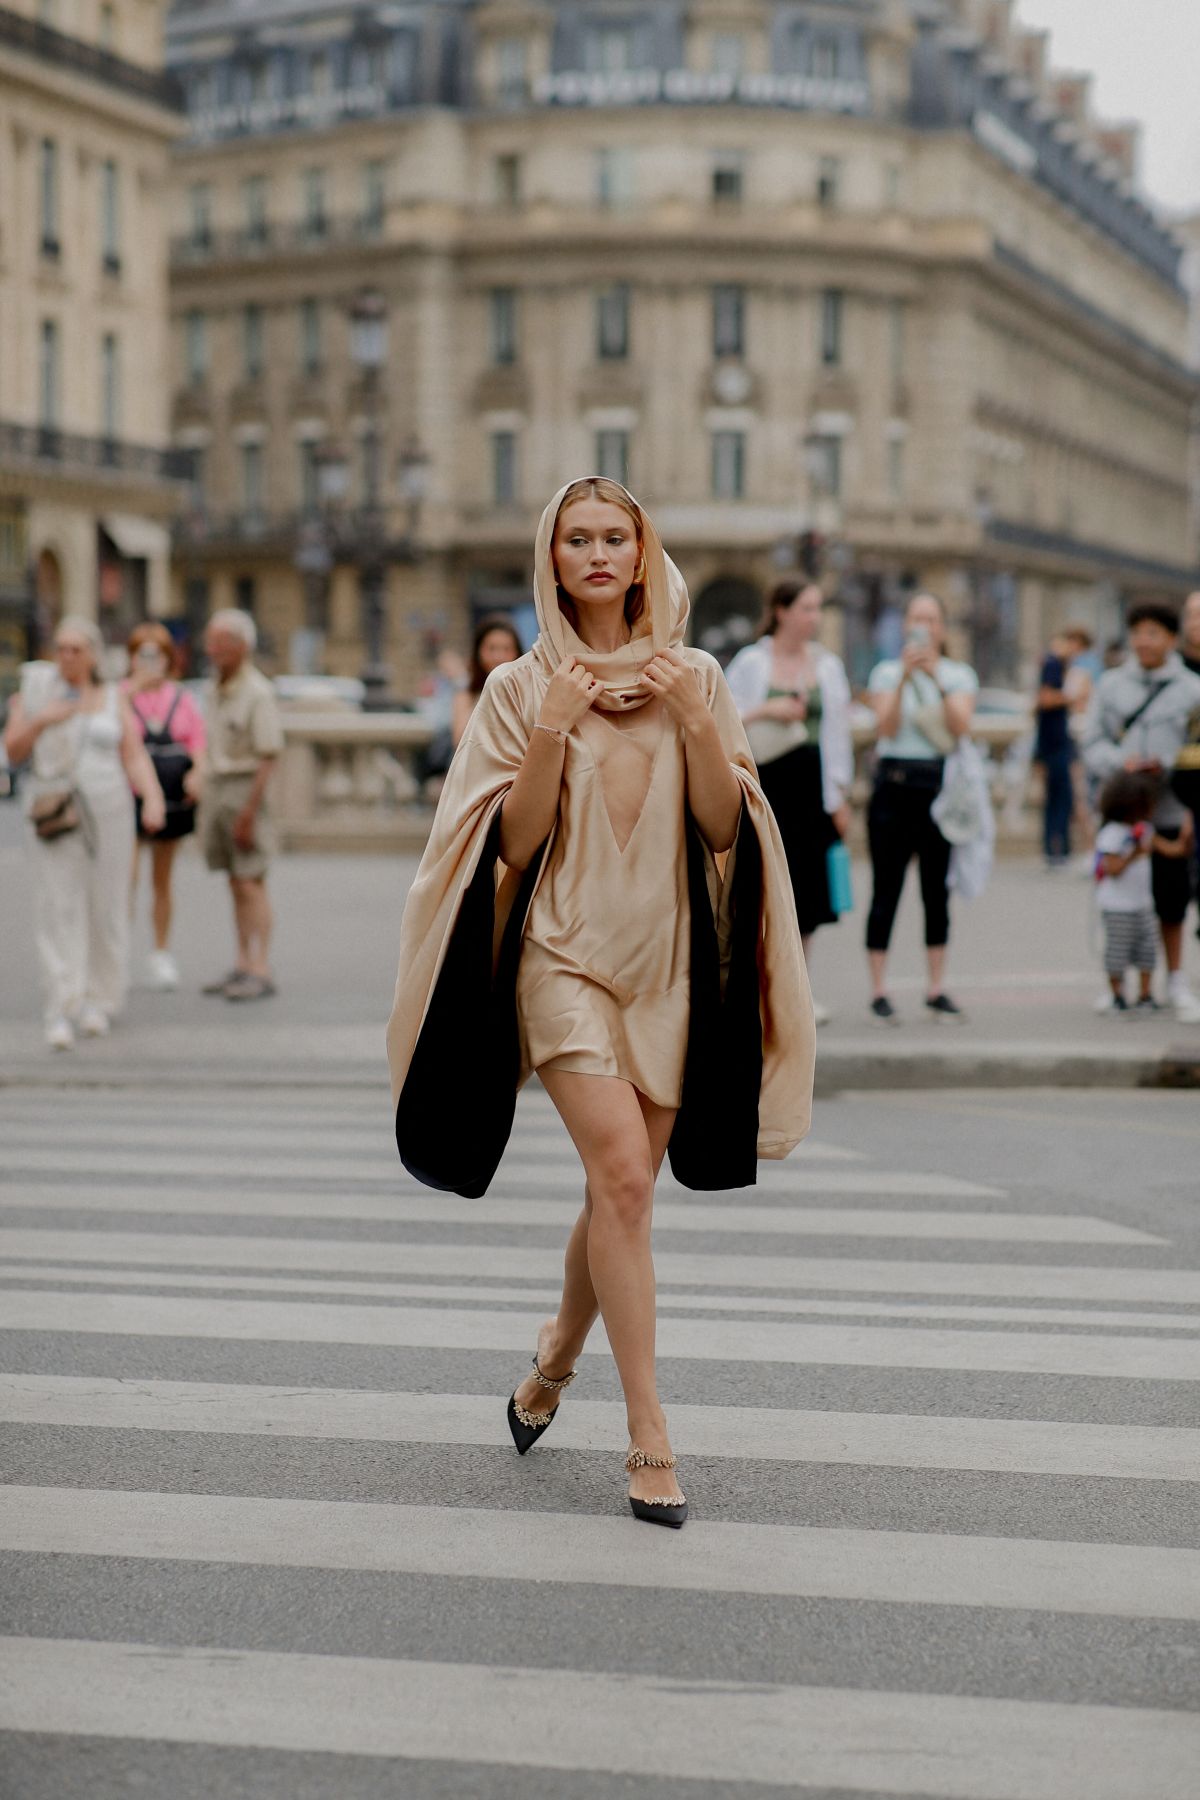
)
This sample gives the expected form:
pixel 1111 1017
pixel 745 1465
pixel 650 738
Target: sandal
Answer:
pixel 527 1427
pixel 663 1509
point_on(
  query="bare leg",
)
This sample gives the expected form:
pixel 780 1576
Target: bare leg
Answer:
pixel 162 862
pixel 1172 938
pixel 253 921
pixel 936 959
pixel 621 1138
pixel 877 963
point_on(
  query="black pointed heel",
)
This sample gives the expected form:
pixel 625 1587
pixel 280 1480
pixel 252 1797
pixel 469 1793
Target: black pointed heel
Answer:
pixel 527 1427
pixel 662 1509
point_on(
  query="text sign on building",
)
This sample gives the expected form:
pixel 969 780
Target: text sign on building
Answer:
pixel 643 87
pixel 1004 142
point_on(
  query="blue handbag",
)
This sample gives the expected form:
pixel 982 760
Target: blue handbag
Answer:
pixel 839 878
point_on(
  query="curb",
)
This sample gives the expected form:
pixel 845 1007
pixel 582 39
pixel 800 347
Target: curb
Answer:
pixel 871 1066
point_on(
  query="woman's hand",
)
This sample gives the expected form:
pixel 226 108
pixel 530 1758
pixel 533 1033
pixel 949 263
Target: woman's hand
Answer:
pixel 154 812
pixel 569 696
pixel 919 657
pixel 840 818
pixel 192 783
pixel 56 713
pixel 671 678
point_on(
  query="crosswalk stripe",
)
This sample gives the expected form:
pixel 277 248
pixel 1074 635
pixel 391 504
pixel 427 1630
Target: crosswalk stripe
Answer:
pixel 743 1340
pixel 1027 1281
pixel 428 1208
pixel 915 1441
pixel 300 1287
pixel 900 1567
pixel 214 1165
pixel 720 1732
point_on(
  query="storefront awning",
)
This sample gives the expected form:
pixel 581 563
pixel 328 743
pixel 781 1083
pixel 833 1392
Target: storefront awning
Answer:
pixel 137 538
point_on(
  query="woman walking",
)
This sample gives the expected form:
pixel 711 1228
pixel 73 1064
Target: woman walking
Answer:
pixel 568 918
pixel 794 700
pixel 172 729
pixel 87 752
pixel 923 704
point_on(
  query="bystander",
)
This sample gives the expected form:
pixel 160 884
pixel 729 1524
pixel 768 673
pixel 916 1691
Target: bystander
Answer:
pixel 1055 747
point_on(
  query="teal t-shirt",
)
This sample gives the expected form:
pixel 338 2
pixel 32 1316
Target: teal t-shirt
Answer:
pixel 909 742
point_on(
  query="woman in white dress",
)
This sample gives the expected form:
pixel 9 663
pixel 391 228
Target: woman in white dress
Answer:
pixel 87 752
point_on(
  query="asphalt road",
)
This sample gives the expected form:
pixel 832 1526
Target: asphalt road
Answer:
pixel 265 1538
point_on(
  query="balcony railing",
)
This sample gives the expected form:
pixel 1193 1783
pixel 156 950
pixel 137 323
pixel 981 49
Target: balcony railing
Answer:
pixel 79 58
pixel 47 447
pixel 275 239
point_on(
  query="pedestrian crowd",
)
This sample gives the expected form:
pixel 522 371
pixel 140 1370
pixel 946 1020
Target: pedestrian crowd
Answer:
pixel 122 768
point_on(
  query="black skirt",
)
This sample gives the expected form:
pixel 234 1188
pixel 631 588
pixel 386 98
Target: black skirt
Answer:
pixel 793 786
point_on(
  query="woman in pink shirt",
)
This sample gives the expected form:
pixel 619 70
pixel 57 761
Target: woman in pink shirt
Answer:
pixel 173 729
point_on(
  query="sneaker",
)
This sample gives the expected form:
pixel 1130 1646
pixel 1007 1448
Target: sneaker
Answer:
pixel 821 1014
pixel 93 1022
pixel 162 971
pixel 883 1012
pixel 1113 1003
pixel 1186 1008
pixel 1146 1004
pixel 941 1008
pixel 60 1035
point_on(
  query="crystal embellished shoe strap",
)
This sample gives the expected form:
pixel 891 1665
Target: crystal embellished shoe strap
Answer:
pixel 637 1459
pixel 554 1387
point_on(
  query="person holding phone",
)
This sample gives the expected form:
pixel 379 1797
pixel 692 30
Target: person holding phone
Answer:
pixel 923 703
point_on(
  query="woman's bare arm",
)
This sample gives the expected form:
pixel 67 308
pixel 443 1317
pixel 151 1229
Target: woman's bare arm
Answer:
pixel 531 805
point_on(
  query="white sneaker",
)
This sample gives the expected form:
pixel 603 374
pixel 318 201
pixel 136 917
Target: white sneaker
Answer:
pixel 1103 1003
pixel 93 1022
pixel 821 1014
pixel 162 971
pixel 1186 1006
pixel 60 1035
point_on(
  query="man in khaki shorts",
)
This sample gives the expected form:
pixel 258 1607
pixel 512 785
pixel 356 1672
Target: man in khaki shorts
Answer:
pixel 244 739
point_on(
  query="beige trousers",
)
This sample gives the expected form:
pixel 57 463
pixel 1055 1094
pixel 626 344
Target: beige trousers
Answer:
pixel 81 913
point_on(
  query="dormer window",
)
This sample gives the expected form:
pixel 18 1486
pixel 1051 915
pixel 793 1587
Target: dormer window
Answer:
pixel 610 50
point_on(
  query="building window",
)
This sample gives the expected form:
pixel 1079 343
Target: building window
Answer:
pixel 110 388
pixel 252 341
pixel 310 336
pixel 728 177
pixel 319 73
pixel 612 456
pixel 896 324
pixel 310 490
pixel 374 188
pixel 729 321
pixel 895 461
pixel 504 467
pixel 245 594
pixel 614 177
pixel 609 50
pixel 48 197
pixel 825 56
pixel 825 465
pixel 891 185
pixel 252 481
pixel 315 220
pixel 196 346
pixel 110 218
pixel 502 320
pixel 48 375
pixel 107 34
pixel 200 215
pixel 612 323
pixel 832 312
pixel 727 55
pixel 506 180
pixel 728 465
pixel 196 480
pixel 829 182
pixel 254 209
pixel 512 81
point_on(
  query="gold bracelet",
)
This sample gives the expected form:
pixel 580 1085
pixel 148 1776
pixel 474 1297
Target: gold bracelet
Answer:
pixel 560 737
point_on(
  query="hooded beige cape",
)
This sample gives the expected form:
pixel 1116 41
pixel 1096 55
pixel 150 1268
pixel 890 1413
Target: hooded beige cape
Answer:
pixel 484 769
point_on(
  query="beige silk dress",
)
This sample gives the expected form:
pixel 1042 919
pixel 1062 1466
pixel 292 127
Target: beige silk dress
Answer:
pixel 602 986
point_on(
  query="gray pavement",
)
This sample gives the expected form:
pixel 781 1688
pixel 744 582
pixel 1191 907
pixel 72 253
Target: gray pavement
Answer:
pixel 1024 964
pixel 263 1536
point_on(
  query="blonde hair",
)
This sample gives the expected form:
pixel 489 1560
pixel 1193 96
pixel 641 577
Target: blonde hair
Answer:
pixel 89 631
pixel 598 487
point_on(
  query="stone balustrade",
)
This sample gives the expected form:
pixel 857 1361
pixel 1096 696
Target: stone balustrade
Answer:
pixel 353 781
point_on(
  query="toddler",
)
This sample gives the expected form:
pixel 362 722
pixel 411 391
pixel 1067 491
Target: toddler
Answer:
pixel 1123 847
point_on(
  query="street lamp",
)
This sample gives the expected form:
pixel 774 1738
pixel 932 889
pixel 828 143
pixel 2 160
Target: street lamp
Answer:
pixel 368 347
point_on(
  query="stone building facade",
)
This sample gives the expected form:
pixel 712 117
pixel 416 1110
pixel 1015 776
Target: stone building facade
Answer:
pixel 86 495
pixel 854 282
